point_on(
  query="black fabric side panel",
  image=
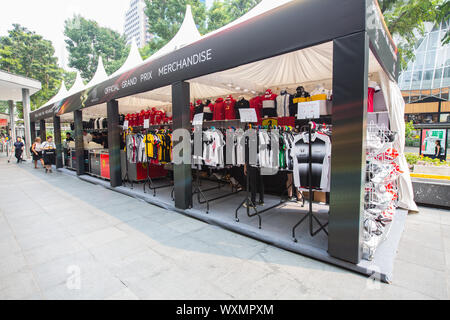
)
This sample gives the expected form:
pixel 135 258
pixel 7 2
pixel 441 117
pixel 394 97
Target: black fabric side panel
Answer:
pixel 350 77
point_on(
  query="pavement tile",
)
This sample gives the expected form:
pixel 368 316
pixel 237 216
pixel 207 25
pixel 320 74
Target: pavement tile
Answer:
pixel 19 285
pixel 52 251
pixel 99 237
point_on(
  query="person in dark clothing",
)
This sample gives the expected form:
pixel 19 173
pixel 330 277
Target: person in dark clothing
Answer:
pixel 69 137
pixel 19 146
pixel 438 150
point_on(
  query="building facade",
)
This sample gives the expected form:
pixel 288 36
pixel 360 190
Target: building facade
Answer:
pixel 136 24
pixel 426 81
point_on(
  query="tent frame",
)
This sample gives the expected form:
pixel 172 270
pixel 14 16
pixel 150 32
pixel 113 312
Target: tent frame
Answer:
pixel 354 27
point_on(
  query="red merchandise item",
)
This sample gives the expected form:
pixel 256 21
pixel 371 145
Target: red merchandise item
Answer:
pixel 256 103
pixel 230 113
pixel 219 110
pixel 159 116
pixel 152 116
pixel 141 118
pixel 373 88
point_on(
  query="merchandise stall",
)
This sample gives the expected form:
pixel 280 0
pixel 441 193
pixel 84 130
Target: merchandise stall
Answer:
pixel 331 96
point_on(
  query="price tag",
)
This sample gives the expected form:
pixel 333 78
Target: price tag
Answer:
pixel 308 110
pixel 125 125
pixel 146 123
pixel 198 120
pixel 248 115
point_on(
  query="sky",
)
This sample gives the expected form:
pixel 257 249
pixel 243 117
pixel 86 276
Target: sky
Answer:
pixel 46 17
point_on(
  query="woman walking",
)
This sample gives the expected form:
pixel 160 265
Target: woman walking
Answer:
pixel 36 150
pixel 49 151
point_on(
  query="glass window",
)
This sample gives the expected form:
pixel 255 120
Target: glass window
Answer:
pixel 416 79
pixel 420 59
pixel 423 45
pixel 427 79
pixel 445 117
pixel 434 40
pixel 446 78
pixel 440 59
pixel 430 60
pixel 437 78
pixel 447 58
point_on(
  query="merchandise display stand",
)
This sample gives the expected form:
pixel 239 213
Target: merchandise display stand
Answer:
pixel 127 176
pixel 149 180
pixel 201 193
pixel 310 216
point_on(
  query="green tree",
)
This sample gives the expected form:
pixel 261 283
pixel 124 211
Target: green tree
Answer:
pixel 237 8
pixel 86 41
pixel 406 20
pixel 218 15
pixel 26 53
pixel 165 18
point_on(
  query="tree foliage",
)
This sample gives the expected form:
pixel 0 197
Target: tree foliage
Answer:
pixel 406 20
pixel 86 41
pixel 26 53
pixel 166 17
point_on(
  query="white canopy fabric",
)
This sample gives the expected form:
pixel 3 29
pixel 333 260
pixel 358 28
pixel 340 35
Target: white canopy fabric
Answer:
pixel 396 107
pixel 62 93
pixel 99 76
pixel 77 86
pixel 187 34
pixel 134 59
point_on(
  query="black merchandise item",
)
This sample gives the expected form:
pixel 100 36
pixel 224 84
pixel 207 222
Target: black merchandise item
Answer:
pixel 207 111
pixel 199 108
pixel 241 104
pixel 271 113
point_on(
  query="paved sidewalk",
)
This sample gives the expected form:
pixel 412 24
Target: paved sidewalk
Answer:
pixel 62 238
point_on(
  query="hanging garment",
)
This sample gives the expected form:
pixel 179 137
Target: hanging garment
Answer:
pixel 320 158
pixel 256 103
pixel 289 144
pixel 213 148
pixel 265 152
pixel 230 113
pixel 241 104
pixel 283 104
pixel 208 112
pixel 131 148
pixel 198 108
pixel 219 110
pixel 141 156
pixel 269 102
pixel 373 88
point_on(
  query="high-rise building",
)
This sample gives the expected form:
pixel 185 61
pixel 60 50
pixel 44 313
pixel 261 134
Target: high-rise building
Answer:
pixel 136 24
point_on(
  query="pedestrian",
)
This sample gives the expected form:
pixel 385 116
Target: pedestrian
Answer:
pixel 36 150
pixel 19 146
pixel 49 151
pixel 437 150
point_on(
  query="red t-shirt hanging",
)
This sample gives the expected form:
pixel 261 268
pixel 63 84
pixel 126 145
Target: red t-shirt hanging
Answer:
pixel 371 94
pixel 229 109
pixel 256 103
pixel 219 110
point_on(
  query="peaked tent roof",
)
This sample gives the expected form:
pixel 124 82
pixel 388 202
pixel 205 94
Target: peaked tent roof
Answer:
pixel 62 93
pixel 100 75
pixel 187 34
pixel 134 59
pixel 77 86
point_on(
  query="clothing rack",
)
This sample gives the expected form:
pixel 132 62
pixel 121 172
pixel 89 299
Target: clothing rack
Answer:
pixel 149 180
pixel 249 201
pixel 309 215
pixel 201 193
